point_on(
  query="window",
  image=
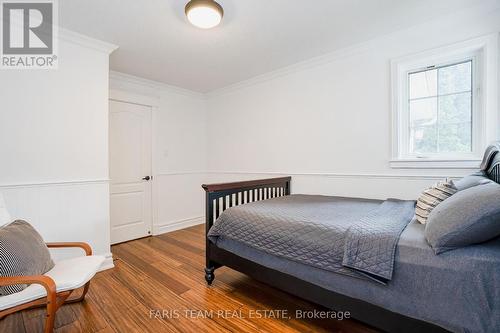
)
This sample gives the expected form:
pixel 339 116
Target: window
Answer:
pixel 441 100
pixel 440 107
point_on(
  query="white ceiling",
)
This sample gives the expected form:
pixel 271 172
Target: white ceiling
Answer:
pixel 256 36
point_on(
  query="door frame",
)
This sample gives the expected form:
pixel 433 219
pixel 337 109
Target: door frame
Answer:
pixel 123 96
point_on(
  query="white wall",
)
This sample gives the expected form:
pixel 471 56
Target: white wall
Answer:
pixel 326 121
pixel 179 149
pixel 54 144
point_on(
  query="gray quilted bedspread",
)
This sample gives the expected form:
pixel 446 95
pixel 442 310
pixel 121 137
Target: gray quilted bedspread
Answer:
pixel 356 237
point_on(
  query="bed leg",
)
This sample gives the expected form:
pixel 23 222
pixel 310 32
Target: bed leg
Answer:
pixel 209 275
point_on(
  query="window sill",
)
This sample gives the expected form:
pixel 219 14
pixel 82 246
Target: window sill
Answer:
pixel 420 163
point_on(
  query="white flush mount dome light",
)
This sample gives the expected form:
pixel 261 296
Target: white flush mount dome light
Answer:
pixel 204 14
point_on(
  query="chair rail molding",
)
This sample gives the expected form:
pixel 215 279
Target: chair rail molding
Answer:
pixel 342 175
pixel 56 183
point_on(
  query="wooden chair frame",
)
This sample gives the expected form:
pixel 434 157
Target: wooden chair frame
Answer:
pixel 54 300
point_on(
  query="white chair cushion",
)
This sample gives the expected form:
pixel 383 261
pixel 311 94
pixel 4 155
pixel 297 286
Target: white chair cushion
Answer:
pixel 5 217
pixel 67 274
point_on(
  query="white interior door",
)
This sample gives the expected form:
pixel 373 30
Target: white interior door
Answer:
pixel 130 170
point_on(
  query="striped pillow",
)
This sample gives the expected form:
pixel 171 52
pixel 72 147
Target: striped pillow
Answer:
pixel 432 197
pixel 22 252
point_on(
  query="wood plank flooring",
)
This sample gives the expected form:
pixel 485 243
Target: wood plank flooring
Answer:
pixel 157 286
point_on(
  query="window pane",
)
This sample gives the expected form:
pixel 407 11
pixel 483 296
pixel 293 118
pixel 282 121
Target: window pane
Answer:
pixel 455 138
pixel 423 139
pixel 423 112
pixel 455 108
pixel 456 78
pixel 423 84
pixel 440 110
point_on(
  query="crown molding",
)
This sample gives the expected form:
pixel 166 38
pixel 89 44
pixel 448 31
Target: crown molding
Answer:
pixel 354 49
pixel 154 87
pixel 85 41
pixel 73 37
pixel 294 68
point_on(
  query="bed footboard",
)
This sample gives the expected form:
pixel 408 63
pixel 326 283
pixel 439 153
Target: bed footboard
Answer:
pixel 221 196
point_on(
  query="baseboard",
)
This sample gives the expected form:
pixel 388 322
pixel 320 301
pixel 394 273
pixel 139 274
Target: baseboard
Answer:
pixel 177 225
pixel 108 262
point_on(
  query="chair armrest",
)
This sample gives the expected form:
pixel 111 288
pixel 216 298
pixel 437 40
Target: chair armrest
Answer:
pixel 43 280
pixel 86 247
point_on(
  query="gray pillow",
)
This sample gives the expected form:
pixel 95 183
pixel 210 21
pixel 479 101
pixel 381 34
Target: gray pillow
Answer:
pixel 478 178
pixel 22 252
pixel 469 217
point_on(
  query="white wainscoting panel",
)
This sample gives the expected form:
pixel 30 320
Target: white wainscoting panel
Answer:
pixel 180 201
pixel 65 212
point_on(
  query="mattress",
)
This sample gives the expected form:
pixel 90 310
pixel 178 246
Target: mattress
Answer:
pixel 458 290
pixel 344 235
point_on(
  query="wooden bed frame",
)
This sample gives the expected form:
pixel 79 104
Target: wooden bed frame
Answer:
pixel 219 197
pixel 222 196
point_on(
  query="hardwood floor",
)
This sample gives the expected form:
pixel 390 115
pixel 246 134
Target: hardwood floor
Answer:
pixel 158 286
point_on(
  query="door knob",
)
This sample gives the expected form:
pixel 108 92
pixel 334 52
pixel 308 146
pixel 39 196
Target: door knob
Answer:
pixel 146 178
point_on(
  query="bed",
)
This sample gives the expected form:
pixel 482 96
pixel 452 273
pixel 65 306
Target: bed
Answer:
pixel 418 291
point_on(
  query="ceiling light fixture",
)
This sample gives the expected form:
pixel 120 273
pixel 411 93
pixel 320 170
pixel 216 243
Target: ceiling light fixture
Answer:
pixel 204 14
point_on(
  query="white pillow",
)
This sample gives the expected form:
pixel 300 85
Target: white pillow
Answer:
pixel 4 213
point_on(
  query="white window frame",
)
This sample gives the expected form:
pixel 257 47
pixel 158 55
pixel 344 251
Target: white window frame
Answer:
pixel 483 52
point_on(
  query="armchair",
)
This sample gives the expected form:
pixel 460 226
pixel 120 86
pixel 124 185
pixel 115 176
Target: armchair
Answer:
pixel 54 288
